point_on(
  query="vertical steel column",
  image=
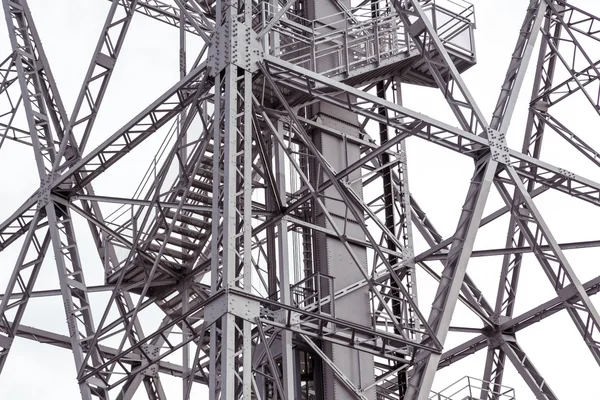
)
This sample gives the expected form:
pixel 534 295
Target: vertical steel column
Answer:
pixel 233 125
pixel 396 198
pixel 390 221
pixel 331 256
pixel 406 234
pixel 406 225
pixel 236 228
pixel 187 380
pixel 287 355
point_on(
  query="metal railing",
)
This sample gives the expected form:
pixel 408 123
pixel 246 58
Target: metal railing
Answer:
pixel 469 388
pixel 373 34
pixel 312 293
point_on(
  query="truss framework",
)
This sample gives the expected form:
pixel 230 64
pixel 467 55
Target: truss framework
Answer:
pixel 242 247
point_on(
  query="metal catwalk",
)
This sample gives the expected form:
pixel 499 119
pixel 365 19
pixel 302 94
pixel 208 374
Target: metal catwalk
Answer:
pixel 274 232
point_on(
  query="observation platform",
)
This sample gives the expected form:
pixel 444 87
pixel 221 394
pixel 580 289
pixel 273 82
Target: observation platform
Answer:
pixel 372 44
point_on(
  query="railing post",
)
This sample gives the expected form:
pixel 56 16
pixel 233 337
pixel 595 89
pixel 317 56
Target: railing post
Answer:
pixel 470 387
pixel 375 18
pixel 313 47
pixel 346 55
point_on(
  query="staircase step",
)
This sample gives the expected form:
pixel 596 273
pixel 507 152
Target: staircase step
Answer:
pixel 207 173
pixel 155 247
pixel 176 242
pixel 186 232
pixel 202 185
pixel 207 160
pixel 201 198
pixel 190 220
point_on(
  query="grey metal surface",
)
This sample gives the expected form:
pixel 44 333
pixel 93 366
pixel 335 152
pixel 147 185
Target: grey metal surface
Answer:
pixel 275 230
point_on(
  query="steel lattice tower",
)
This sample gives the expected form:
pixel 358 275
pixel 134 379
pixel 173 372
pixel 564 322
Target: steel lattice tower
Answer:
pixel 275 230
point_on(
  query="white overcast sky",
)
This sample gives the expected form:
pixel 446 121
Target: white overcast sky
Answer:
pixel 438 179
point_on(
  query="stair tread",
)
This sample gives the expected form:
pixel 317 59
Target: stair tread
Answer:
pixel 170 252
pixel 177 242
pixel 202 185
pixel 186 232
pixel 199 197
pixel 190 220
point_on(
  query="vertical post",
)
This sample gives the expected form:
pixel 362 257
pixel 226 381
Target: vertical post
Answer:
pixel 331 257
pixel 405 230
pixel 390 220
pixel 287 356
pixel 228 331
pixel 186 380
pixel 232 205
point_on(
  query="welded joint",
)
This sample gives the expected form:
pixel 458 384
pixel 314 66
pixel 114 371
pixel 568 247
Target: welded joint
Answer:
pixel 5 341
pixel 286 317
pixel 498 146
pixel 541 106
pixel 567 293
pixel 234 44
pixel 497 339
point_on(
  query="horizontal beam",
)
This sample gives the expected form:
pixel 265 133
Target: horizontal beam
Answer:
pixel 92 289
pixel 62 341
pixel 146 123
pixel 367 105
pixel 516 324
pixel 170 15
pixel 512 250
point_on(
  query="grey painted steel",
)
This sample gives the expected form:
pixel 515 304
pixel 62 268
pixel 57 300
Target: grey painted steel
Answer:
pixel 496 357
pixel 282 252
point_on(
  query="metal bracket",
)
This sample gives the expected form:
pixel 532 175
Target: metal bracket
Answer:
pixel 408 253
pixel 498 146
pixel 231 303
pixel 566 173
pixel 541 106
pixel 43 195
pixel 498 339
pixel 567 293
pixel 289 318
pixel 152 352
pixel 5 341
pixel 235 44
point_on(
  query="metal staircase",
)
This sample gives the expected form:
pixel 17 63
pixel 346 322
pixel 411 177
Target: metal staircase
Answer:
pixel 178 239
pixel 371 45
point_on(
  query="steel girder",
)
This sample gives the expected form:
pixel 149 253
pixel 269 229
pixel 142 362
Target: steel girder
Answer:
pixel 246 187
